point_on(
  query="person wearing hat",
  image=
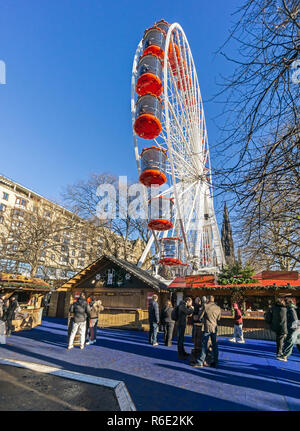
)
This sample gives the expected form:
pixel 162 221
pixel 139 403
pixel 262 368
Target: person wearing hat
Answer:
pixel 238 325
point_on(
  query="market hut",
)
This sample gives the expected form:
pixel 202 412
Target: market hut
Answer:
pixel 254 298
pixel 124 289
pixel 30 293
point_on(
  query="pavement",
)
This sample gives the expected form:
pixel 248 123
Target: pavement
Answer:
pixel 26 390
pixel 249 378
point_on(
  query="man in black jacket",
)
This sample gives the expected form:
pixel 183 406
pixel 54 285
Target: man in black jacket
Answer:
pixel 153 312
pixel 278 324
pixel 81 311
pixel 185 309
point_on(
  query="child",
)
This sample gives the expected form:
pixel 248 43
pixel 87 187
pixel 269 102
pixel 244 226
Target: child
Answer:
pixel 238 325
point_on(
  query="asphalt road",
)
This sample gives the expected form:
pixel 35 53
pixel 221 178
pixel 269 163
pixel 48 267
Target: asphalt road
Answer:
pixel 25 390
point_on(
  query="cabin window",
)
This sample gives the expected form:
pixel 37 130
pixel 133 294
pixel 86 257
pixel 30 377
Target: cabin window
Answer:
pixel 23 298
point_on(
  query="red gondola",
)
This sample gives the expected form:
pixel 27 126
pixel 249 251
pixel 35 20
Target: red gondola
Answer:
pixel 148 115
pixel 160 213
pixel 153 163
pixel 154 41
pixel 149 75
pixel 169 252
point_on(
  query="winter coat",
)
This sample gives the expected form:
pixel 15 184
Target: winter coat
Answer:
pixel 153 311
pixel 10 313
pixel 166 315
pixel 291 316
pixel 81 310
pixel 96 308
pixel 238 320
pixel 183 312
pixel 279 321
pixel 211 315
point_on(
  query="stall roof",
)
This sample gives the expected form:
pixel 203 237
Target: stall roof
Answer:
pixel 87 272
pixel 15 285
pixel 185 283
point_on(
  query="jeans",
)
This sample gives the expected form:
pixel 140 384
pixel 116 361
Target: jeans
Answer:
pixel 153 332
pixel 205 338
pixel 81 327
pixel 92 329
pixel 238 332
pixel 279 343
pixel 168 333
pixel 288 344
pixel 180 339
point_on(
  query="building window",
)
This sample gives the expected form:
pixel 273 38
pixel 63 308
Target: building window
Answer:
pixel 18 213
pixel 72 261
pixel 21 202
pixel 47 214
pixel 1 219
pixel 2 207
pixel 73 253
pixel 52 256
pixel 5 196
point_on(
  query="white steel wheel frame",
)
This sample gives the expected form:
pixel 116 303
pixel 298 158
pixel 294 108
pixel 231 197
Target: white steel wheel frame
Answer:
pixel 184 135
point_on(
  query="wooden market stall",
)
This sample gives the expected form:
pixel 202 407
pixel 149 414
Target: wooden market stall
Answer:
pixel 30 293
pixel 254 298
pixel 124 289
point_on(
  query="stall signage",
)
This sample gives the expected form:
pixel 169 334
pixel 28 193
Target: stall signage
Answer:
pixel 279 275
pixel 205 278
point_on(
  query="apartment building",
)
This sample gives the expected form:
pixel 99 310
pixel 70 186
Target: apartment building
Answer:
pixel 41 238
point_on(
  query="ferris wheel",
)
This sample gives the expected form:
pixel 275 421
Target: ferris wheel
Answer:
pixel 172 153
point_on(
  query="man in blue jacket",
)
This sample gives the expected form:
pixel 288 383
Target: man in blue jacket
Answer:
pixel 153 311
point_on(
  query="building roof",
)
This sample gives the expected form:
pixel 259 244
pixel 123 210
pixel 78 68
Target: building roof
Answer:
pixel 181 282
pixel 139 273
pixel 14 285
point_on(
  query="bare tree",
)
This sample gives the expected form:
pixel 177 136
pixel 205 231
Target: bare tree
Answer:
pixel 121 234
pixel 262 128
pixel 36 237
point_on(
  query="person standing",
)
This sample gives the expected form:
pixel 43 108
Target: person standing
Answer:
pixel 238 325
pixel 211 316
pixel 81 311
pixel 291 322
pixel 185 309
pixel 278 324
pixel 96 307
pixel 167 323
pixel 153 311
pixel 3 309
pixel 195 315
pixel 13 307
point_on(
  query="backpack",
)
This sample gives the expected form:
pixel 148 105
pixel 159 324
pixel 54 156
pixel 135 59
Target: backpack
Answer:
pixel 268 316
pixel 175 313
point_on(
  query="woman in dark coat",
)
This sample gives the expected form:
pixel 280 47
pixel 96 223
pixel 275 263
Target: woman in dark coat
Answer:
pixel 291 320
pixel 167 323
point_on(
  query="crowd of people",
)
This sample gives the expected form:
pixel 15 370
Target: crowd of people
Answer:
pixel 8 309
pixel 284 322
pixel 206 314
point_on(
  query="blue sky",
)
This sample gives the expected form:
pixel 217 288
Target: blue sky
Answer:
pixel 65 109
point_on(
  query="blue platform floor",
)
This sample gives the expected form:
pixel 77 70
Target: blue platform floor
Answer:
pixel 248 377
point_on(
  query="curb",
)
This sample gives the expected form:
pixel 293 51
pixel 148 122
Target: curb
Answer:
pixel 119 387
